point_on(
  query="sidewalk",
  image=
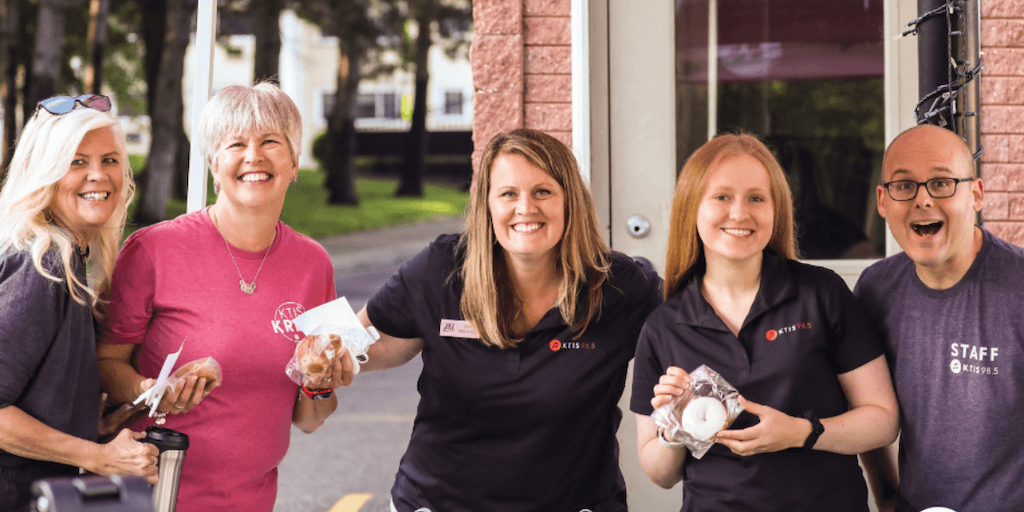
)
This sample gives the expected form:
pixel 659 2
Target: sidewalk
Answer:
pixel 366 250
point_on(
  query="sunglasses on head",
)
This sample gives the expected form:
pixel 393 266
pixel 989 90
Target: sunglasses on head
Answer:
pixel 58 105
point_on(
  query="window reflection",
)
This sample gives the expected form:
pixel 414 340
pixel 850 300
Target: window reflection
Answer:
pixel 805 75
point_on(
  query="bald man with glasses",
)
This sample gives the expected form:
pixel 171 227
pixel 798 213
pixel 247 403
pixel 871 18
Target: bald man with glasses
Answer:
pixel 950 311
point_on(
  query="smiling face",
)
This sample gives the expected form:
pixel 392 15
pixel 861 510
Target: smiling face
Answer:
pixel 254 170
pixel 527 209
pixel 938 234
pixel 90 192
pixel 736 213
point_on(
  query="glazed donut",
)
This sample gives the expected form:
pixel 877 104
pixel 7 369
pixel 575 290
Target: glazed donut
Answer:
pixel 704 417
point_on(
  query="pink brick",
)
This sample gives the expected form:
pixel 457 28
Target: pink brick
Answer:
pixel 548 8
pixel 555 117
pixel 1002 119
pixel 996 206
pixel 548 89
pixel 547 31
pixel 497 17
pixel 1015 204
pixel 1002 32
pixel 565 137
pixel 1002 90
pixel 1015 148
pixel 494 113
pixel 997 148
pixel 497 63
pixel 994 176
pixel 1003 177
pixel 548 60
pixel 1002 9
pixel 1003 62
pixel 1012 232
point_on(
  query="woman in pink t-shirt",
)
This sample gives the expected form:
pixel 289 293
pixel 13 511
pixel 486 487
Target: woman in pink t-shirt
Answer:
pixel 228 281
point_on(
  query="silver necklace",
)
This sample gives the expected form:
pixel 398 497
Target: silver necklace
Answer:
pixel 247 288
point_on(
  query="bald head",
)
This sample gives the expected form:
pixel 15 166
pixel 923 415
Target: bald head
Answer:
pixel 929 136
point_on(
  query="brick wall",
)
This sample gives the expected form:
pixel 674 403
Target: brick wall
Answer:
pixel 1002 117
pixel 522 73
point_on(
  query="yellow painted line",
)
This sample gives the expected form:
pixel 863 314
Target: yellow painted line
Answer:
pixel 351 503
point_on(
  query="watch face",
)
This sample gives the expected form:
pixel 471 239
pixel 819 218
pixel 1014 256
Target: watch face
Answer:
pixel 322 396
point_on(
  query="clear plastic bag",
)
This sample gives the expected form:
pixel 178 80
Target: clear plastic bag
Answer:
pixel 315 354
pixel 206 367
pixel 695 418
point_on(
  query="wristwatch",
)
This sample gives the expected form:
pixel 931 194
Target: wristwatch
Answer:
pixel 817 429
pixel 317 394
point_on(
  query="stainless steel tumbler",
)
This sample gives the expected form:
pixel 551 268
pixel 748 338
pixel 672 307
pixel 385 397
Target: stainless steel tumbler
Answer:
pixel 172 445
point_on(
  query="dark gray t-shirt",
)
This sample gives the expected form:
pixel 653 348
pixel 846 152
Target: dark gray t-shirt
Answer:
pixel 957 361
pixel 48 365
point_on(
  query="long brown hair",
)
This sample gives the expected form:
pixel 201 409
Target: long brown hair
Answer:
pixel 685 249
pixel 488 300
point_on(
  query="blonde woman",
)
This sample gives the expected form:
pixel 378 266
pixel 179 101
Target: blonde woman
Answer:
pixel 62 208
pixel 789 336
pixel 525 322
pixel 227 280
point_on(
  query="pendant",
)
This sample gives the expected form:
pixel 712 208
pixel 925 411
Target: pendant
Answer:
pixel 247 288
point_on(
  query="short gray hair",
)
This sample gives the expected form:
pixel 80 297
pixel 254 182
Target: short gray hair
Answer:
pixel 241 110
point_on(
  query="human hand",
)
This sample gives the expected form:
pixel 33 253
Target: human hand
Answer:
pixel 339 374
pixel 674 383
pixel 125 455
pixel 123 416
pixel 774 432
pixel 182 396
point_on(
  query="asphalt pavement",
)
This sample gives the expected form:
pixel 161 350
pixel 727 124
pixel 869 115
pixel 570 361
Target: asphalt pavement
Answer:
pixel 349 464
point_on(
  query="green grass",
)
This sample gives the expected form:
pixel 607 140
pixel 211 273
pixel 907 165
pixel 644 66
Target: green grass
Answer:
pixel 306 209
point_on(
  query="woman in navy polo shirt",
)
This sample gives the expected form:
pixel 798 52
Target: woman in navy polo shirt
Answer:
pixel 790 337
pixel 526 322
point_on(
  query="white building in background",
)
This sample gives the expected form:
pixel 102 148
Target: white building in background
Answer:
pixel 308 73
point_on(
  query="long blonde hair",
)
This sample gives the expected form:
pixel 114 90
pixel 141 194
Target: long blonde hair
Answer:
pixel 685 249
pixel 488 301
pixel 27 223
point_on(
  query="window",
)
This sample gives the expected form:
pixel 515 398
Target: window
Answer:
pixel 366 106
pixel 810 83
pixel 453 102
pixel 391 109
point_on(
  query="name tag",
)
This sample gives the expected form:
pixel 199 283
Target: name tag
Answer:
pixel 457 329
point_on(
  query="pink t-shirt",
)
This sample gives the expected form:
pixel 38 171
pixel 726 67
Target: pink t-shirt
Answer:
pixel 175 280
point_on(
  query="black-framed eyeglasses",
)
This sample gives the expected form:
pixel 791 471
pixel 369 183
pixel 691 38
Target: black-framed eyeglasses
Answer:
pixel 938 188
pixel 58 105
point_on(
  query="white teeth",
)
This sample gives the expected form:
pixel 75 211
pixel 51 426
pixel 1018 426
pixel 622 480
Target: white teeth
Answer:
pixel 526 228
pixel 258 176
pixel 738 232
pixel 95 196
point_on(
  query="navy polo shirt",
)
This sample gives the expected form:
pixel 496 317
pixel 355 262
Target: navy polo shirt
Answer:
pixel 531 428
pixel 803 329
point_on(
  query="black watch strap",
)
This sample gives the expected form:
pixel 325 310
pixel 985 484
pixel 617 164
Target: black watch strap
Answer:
pixel 817 429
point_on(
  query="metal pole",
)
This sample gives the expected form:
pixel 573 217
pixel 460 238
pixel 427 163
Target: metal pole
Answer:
pixel 202 72
pixel 932 56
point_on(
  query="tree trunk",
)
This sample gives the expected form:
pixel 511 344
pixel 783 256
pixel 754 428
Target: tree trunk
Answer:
pixel 99 11
pixel 46 61
pixel 415 166
pixel 266 16
pixel 154 30
pixel 166 115
pixel 8 81
pixel 341 130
